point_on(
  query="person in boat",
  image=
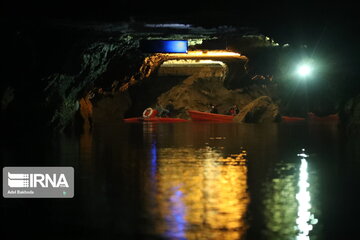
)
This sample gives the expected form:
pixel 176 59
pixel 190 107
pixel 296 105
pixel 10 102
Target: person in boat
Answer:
pixel 234 110
pixel 169 108
pixel 161 111
pixel 165 111
pixel 213 109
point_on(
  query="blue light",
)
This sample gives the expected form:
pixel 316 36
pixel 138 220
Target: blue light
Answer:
pixel 175 46
pixel 164 46
pixel 177 218
pixel 153 159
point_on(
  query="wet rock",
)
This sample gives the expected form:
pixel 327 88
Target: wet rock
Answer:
pixel 197 92
pixel 7 97
pixel 200 90
pixel 111 108
pixel 260 110
pixel 351 116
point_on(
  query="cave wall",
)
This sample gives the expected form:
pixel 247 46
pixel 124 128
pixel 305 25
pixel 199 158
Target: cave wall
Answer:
pixel 104 65
pixel 75 69
pixel 50 71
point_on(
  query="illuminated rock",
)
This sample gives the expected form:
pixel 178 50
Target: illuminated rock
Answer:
pixel 260 110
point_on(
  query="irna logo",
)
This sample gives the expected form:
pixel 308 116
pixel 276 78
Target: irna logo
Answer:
pixel 19 180
pixel 38 182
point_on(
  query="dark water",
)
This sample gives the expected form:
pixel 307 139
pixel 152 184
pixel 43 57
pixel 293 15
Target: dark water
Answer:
pixel 193 181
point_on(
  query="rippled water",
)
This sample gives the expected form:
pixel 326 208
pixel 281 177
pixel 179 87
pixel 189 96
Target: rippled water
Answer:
pixel 196 181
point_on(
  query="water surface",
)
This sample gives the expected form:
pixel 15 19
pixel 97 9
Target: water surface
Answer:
pixel 195 181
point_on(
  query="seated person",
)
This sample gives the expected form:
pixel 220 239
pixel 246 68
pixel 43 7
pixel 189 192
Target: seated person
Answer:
pixel 165 111
pixel 234 110
pixel 170 108
pixel 213 109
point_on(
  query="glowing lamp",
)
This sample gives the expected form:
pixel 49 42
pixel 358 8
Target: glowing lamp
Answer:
pixel 304 70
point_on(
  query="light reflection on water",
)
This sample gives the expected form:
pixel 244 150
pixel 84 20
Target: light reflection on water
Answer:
pixel 280 206
pixel 288 211
pixel 198 181
pixel 200 194
pixel 305 219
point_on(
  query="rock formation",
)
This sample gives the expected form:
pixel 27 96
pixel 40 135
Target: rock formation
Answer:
pixel 261 110
pixel 200 90
pixel 351 116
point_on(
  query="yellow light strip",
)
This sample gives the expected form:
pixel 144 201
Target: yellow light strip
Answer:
pixel 204 54
pixel 190 61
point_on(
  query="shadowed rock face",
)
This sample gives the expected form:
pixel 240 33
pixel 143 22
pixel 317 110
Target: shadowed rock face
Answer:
pixel 66 64
pixel 99 60
pixel 351 116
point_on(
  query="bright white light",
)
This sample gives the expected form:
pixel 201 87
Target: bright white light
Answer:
pixel 305 218
pixel 304 70
pixel 303 155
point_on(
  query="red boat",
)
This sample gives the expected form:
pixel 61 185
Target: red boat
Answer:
pixel 154 119
pixel 149 115
pixel 331 117
pixel 292 119
pixel 209 117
